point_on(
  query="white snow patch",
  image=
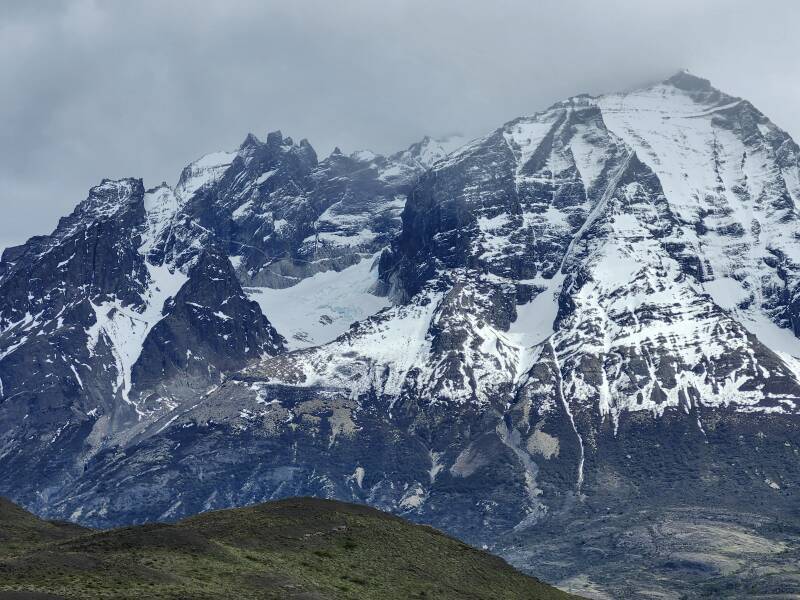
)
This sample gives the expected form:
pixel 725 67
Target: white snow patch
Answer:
pixel 77 377
pixel 242 210
pixel 203 171
pixel 161 205
pixel 534 322
pixel 436 466
pixel 364 155
pixel 320 308
pixel 235 262
pixel 358 476
pixel 125 327
pixel 264 176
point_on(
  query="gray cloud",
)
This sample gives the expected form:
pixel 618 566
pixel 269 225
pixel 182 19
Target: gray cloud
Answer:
pixel 92 89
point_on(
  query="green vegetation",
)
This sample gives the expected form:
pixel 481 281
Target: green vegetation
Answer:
pixel 20 531
pixel 292 549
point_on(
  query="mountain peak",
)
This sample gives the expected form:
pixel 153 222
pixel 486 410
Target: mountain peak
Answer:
pixel 684 80
pixel 428 150
pixel 250 141
pixel 275 138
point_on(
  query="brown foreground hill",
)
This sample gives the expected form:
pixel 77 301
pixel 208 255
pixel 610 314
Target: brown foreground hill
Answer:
pixel 299 548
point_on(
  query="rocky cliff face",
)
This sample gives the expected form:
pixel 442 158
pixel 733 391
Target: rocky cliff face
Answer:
pixel 134 307
pixel 586 315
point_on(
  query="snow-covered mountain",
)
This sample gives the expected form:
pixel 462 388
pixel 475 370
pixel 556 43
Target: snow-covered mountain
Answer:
pixel 592 307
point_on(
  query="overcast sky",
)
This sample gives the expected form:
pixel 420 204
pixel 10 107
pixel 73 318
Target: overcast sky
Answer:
pixel 94 89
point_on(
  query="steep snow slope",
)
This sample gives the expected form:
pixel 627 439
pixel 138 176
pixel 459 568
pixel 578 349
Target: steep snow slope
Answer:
pixel 731 177
pixel 320 308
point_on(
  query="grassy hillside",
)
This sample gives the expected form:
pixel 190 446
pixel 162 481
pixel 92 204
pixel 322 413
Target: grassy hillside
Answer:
pixel 292 549
pixel 21 531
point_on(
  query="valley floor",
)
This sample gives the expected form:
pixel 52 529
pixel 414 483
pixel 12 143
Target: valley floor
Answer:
pixel 686 553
